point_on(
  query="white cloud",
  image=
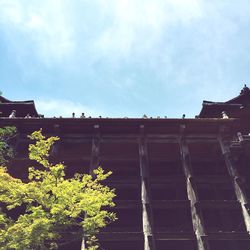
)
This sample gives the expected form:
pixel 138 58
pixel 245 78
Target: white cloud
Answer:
pixel 138 25
pixel 64 108
pixel 133 26
pixel 112 33
pixel 44 25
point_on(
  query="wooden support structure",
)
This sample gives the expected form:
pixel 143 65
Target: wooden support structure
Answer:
pixel 94 162
pixel 95 154
pixel 197 220
pixel 236 179
pixel 211 189
pixel 147 219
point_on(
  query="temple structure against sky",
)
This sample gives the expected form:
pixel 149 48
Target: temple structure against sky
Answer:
pixel 181 184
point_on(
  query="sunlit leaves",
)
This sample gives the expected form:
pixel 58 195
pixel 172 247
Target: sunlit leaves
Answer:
pixel 6 152
pixel 50 205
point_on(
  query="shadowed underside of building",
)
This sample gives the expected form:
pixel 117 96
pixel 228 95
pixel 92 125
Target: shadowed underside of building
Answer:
pixel 181 184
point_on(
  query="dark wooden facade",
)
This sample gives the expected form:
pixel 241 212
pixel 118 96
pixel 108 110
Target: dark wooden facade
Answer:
pixel 182 184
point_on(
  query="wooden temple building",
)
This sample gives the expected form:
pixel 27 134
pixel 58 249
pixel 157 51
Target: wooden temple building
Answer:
pixel 181 184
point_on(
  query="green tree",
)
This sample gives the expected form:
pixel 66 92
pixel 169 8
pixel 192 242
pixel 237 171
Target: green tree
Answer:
pixel 52 209
pixel 6 151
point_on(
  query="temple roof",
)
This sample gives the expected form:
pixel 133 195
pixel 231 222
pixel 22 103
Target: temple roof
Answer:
pixel 22 108
pixel 234 108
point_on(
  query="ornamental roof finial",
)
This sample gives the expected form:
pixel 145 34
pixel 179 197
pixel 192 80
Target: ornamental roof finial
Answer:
pixel 245 89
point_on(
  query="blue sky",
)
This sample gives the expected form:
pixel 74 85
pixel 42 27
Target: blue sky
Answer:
pixel 121 58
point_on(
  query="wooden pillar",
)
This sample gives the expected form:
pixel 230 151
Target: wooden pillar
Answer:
pixel 56 146
pixel 83 246
pixel 149 241
pixel 236 179
pixel 95 154
pixel 197 220
pixel 94 163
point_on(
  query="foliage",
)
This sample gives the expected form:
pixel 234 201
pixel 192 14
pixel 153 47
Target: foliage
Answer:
pixel 52 209
pixel 6 152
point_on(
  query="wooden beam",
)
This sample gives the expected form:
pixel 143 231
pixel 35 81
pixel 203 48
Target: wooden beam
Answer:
pixel 236 180
pixel 128 204
pixel 147 218
pixel 119 236
pixel 228 236
pixel 126 138
pixel 197 220
pixel 174 236
pixel 219 204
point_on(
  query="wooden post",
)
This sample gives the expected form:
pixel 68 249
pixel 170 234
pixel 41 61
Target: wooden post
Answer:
pixel 83 247
pixel 236 179
pixel 149 241
pixel 197 220
pixel 96 139
pixel 94 163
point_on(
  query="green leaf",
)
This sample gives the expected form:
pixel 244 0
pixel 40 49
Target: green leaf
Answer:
pixel 53 207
